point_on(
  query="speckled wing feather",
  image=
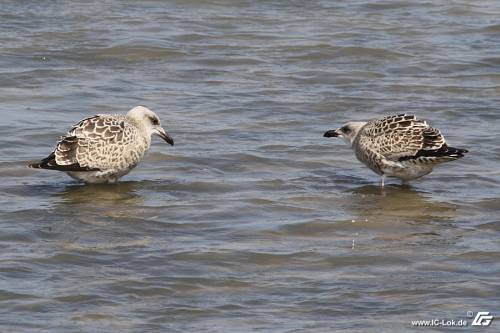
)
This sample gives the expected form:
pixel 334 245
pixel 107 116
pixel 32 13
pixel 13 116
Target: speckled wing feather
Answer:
pixel 400 138
pixel 96 143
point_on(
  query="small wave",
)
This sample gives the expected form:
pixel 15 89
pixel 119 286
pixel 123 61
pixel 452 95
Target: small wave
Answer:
pixel 480 256
pixel 313 228
pixel 356 51
pixel 229 61
pixel 329 53
pixel 495 28
pixel 387 5
pixel 9 296
pixel 492 61
pixel 127 53
pixel 105 245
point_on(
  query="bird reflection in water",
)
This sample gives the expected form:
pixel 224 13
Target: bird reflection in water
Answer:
pixel 92 203
pixel 402 202
pixel 395 211
pixel 100 217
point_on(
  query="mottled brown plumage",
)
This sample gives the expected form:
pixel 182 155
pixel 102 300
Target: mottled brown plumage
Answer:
pixel 103 148
pixel 399 146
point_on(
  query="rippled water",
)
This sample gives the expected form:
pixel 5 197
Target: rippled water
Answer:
pixel 253 221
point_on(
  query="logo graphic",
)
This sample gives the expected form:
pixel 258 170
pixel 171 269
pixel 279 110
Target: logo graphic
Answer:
pixel 483 318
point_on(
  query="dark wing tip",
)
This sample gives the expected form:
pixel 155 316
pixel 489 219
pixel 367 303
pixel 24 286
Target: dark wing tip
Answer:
pixel 34 165
pixel 50 163
pixel 46 163
pixel 445 151
pixel 456 152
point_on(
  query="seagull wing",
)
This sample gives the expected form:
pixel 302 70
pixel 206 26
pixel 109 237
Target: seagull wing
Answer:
pixel 404 137
pixel 79 149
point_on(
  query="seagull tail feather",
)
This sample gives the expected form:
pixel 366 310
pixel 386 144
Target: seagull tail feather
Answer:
pixel 456 152
pixel 50 163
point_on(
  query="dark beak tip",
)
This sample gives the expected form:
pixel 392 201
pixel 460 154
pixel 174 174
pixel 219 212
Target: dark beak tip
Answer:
pixel 330 134
pixel 169 140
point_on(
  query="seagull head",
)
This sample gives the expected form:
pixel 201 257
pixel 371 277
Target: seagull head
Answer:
pixel 150 121
pixel 348 131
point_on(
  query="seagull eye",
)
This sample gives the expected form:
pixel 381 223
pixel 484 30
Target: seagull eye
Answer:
pixel 155 121
pixel 345 129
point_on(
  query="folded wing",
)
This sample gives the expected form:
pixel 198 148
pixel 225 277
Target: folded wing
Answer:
pixel 404 137
pixel 78 150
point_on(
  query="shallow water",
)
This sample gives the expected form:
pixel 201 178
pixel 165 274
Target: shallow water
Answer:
pixel 253 221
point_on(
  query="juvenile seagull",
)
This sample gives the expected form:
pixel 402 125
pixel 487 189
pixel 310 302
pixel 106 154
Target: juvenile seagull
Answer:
pixel 103 148
pixel 397 146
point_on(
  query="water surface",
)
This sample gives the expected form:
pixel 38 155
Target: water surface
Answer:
pixel 253 221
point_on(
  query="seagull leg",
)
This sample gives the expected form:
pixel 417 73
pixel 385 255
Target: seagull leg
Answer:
pixel 382 181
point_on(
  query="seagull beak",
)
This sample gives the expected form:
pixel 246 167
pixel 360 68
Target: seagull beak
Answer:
pixel 331 134
pixel 162 134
